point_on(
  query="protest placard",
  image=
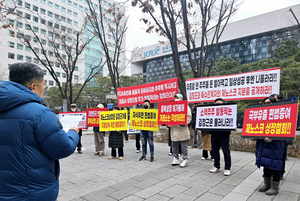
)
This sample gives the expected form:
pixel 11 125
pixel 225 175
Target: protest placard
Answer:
pixel 251 85
pixel 144 119
pixel 216 117
pixel 276 121
pixel 113 120
pixel 172 113
pixel 154 92
pixel 93 116
pixel 132 131
pixel 82 123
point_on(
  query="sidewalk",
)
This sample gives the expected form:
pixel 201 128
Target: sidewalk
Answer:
pixel 87 177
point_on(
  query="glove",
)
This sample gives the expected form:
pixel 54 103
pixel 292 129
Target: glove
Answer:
pixel 181 125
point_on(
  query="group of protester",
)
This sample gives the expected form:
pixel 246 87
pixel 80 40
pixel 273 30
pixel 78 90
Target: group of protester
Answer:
pixel 32 141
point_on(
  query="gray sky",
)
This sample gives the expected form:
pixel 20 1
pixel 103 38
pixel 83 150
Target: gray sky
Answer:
pixel 137 37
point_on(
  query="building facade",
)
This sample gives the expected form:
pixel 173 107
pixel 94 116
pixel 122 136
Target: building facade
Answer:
pixel 50 20
pixel 249 40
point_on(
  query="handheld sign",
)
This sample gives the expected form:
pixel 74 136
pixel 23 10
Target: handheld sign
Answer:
pixel 277 121
pixel 216 117
pixel 113 120
pixel 144 119
pixel 82 122
pixel 172 113
pixel 93 116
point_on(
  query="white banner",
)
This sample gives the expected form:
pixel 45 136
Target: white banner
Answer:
pixel 215 117
pixel 132 131
pixel 252 85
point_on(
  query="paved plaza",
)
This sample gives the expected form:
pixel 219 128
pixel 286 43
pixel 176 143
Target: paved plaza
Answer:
pixel 87 177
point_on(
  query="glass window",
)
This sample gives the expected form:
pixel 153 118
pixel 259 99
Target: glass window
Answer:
pixel 35 39
pixel 69 2
pixel 56 6
pixel 35 18
pixel 64 75
pixel 56 26
pixel 50 14
pixel 50 53
pixel 43 41
pixel 36 29
pixel 96 6
pixel 56 16
pixel 57 65
pixel 75 23
pixel 43 31
pixel 11 44
pixel 20 35
pixel 43 21
pixel 50 3
pixel 74 5
pixel 63 9
pixel 58 74
pixel 27 37
pixel 10 21
pixel 50 24
pixel 27 5
pixel 85 1
pixel 35 8
pixel 80 8
pixel 36 50
pixel 43 11
pixel 69 39
pixel 64 56
pixel 11 33
pixel 19 13
pixel 50 33
pixel 20 57
pixel 63 19
pixel 36 61
pixel 74 14
pixel 69 30
pixel 64 1
pixel 11 55
pixel 27 16
pixel 76 68
pixel 51 83
pixel 27 26
pixel 27 49
pixel 85 10
pixel 28 59
pixel 63 28
pixel 43 1
pixel 76 77
pixel 20 24
pixel 19 2
pixel 45 82
pixel 69 21
pixel 19 46
pixel 69 12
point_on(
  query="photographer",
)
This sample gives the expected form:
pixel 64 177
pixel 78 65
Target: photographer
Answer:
pixel 147 135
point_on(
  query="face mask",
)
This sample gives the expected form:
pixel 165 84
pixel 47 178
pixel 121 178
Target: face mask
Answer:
pixel 73 110
pixel 177 99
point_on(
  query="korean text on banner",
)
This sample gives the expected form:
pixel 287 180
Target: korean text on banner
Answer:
pixel 252 85
pixel 172 113
pixel 93 116
pixel 144 119
pixel 131 131
pixel 216 117
pixel 113 120
pixel 275 121
pixel 154 92
pixel 82 123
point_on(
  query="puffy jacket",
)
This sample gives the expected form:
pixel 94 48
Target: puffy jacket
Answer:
pixel 269 154
pixel 181 133
pixel 115 139
pixel 31 142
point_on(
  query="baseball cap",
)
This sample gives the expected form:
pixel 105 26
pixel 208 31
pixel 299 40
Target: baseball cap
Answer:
pixel 139 106
pixel 178 96
pixel 100 106
pixel 73 105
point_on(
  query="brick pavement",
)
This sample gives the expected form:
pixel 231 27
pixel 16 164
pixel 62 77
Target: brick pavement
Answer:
pixel 87 177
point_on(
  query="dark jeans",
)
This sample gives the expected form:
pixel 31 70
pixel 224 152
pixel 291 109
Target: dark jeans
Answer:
pixel 147 136
pixel 126 136
pixel 285 151
pixel 137 141
pixel 79 145
pixel 205 154
pixel 120 152
pixel 218 141
pixel 275 173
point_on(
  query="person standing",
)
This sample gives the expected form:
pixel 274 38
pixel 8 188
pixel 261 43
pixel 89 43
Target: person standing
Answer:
pixel 179 136
pixel 221 139
pixel 147 136
pixel 206 145
pixel 74 108
pixel 99 138
pixel 193 126
pixel 115 141
pixel 31 136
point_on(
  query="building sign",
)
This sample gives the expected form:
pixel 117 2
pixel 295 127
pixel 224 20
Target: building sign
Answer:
pixel 93 116
pixel 152 53
pixel 82 124
pixel 113 120
pixel 172 113
pixel 252 85
pixel 154 92
pixel 216 117
pixel 144 119
pixel 275 121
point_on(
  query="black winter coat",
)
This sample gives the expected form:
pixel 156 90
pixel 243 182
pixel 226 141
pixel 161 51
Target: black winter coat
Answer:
pixel 115 139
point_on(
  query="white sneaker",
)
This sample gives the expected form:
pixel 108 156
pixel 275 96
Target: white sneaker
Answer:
pixel 175 161
pixel 170 154
pixel 213 160
pixel 137 151
pixel 203 158
pixel 183 163
pixel 214 170
pixel 227 172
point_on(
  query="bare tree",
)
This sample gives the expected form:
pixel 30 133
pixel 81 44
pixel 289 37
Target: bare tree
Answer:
pixel 63 48
pixel 7 8
pixel 115 30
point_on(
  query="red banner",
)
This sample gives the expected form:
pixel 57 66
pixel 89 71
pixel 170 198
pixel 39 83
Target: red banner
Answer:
pixel 172 113
pixel 275 121
pixel 154 92
pixel 93 116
